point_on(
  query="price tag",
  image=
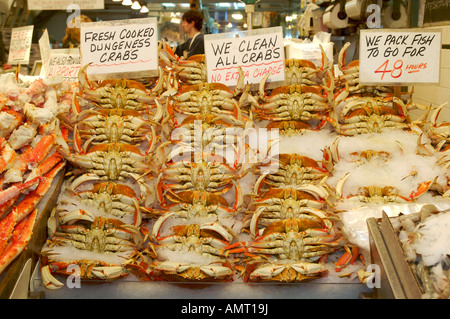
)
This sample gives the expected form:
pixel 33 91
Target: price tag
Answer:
pixel 66 62
pixel 257 52
pixel 393 57
pixel 120 48
pixel 19 48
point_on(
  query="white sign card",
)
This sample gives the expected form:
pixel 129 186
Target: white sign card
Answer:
pixel 44 48
pixel 120 48
pixel 399 56
pixel 66 62
pixel 257 52
pixel 64 4
pixel 20 45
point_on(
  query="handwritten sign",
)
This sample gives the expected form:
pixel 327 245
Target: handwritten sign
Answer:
pixel 121 48
pixel 19 48
pixel 63 4
pixel 44 48
pixel 257 52
pixel 393 57
pixel 66 62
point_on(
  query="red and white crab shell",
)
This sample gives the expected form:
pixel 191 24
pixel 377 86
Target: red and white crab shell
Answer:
pixel 217 271
pixel 292 103
pixel 286 272
pixel 348 83
pixel 280 204
pixel 202 204
pixel 288 170
pixel 369 114
pixel 298 239
pixel 112 94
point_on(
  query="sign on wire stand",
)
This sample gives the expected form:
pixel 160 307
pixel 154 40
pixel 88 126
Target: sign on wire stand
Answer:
pixel 66 62
pixel 257 52
pixel 120 48
pixel 20 45
pixel 45 49
pixel 392 57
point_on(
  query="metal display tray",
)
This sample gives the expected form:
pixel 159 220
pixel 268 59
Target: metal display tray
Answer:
pixel 397 280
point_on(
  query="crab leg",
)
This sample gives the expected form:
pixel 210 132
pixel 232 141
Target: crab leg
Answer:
pixel 31 156
pixel 19 240
pixel 7 225
pixel 7 155
pixel 341 57
pixel 435 114
pixel 15 190
pixel 30 201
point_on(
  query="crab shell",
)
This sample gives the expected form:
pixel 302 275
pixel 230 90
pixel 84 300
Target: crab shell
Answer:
pixel 363 111
pixel 215 120
pixel 262 271
pixel 285 193
pixel 222 88
pixel 192 196
pixel 89 270
pixel 289 127
pixel 295 88
pixel 293 158
pixel 301 63
pixel 193 60
pixel 210 229
pixel 185 272
pixel 291 224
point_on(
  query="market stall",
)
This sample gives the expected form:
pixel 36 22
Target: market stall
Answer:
pixel 265 168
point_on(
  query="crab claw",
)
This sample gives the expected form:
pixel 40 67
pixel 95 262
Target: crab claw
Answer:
pixel 49 281
pixel 423 188
pixel 83 78
pixel 16 190
pixel 342 54
pixel 435 114
pixel 158 224
pixel 340 185
pixel 349 256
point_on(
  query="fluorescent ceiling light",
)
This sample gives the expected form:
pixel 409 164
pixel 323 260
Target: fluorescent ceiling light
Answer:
pixel 224 4
pixel 237 16
pixel 135 5
pixel 127 2
pixel 185 5
pixel 166 4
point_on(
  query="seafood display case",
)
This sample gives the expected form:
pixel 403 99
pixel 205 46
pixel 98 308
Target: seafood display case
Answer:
pixel 139 212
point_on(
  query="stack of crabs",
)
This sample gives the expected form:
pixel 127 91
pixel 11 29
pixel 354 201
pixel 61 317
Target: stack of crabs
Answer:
pixel 29 132
pixel 376 118
pixel 292 231
pixel 167 184
pixel 97 225
pixel 199 195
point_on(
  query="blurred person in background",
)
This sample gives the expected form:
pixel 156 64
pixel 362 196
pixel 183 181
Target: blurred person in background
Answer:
pixel 192 23
pixel 72 36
